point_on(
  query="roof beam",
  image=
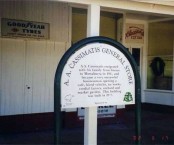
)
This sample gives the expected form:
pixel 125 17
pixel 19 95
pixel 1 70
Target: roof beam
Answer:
pixel 160 20
pixel 127 5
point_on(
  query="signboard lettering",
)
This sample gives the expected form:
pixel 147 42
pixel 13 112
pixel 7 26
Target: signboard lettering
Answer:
pixel 28 29
pixel 97 75
pixel 134 33
pixel 96 71
pixel 102 112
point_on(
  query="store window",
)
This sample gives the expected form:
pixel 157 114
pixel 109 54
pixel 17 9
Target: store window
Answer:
pixel 160 55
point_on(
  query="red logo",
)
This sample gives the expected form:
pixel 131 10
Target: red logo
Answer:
pixel 134 30
pixel 15 30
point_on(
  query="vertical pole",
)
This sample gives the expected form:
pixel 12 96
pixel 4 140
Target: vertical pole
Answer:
pixel 57 111
pixel 138 109
pixel 90 130
pixel 93 20
pixel 90 125
pixel 173 67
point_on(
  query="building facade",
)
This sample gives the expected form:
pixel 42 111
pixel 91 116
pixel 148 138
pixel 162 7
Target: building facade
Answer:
pixel 29 60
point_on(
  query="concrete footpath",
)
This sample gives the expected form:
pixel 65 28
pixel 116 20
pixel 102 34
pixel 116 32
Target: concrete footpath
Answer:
pixel 157 129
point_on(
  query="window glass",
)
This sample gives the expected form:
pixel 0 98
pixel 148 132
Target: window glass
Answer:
pixel 136 56
pixel 160 55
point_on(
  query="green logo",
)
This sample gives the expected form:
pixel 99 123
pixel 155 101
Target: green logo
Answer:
pixel 128 97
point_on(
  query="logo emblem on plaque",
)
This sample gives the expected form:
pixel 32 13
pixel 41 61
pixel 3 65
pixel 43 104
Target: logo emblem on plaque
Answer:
pixel 128 97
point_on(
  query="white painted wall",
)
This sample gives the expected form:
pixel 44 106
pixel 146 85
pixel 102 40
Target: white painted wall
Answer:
pixel 31 63
pixel 27 75
pixel 159 97
pixel 54 13
pixel 12 75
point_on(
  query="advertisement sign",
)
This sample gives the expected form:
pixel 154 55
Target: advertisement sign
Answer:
pixel 102 111
pixel 98 74
pixel 26 29
pixel 134 33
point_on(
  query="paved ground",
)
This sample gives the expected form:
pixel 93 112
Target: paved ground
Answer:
pixel 157 129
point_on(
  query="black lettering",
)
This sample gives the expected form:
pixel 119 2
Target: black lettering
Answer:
pixel 71 65
pixel 9 23
pixel 38 26
pixel 34 26
pixel 39 32
pixel 67 83
pixel 42 27
pixel 13 24
pixel 23 25
pixel 130 78
pixel 18 24
pixel 68 74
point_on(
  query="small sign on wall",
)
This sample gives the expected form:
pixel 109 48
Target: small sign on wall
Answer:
pixel 134 33
pixel 25 29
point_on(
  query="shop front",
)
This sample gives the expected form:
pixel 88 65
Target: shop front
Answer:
pixel 33 41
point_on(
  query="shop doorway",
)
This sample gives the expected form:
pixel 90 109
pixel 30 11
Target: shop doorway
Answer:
pixel 136 52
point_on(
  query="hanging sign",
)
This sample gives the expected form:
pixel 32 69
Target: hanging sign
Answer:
pixel 134 33
pixel 97 74
pixel 26 29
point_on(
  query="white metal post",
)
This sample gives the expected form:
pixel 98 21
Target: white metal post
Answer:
pixel 90 126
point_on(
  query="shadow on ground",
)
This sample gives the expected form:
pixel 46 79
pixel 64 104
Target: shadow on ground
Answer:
pixel 157 129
